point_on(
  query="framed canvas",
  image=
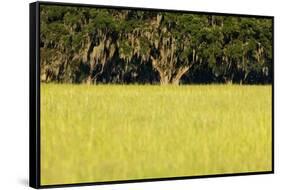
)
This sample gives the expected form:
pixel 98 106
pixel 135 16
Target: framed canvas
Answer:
pixel 123 94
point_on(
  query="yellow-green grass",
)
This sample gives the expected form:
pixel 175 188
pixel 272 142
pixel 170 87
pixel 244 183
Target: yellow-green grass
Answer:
pixel 113 132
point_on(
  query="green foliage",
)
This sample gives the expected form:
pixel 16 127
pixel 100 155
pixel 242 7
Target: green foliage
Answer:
pixel 144 46
pixel 230 46
pixel 77 40
pixel 125 48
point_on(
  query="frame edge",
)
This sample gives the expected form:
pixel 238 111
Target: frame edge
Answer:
pixel 34 141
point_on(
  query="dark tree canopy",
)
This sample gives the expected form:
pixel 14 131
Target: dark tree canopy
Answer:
pixel 89 45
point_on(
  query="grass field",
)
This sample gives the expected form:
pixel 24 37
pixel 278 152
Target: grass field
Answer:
pixel 105 133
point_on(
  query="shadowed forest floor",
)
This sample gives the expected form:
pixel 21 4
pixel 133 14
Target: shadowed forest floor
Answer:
pixel 113 132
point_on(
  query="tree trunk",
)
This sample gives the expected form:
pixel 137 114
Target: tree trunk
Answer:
pixel 180 72
pixel 89 80
pixel 168 78
pixel 175 82
pixel 170 75
pixel 164 78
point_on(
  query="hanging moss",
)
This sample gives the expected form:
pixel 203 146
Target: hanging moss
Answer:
pixel 93 45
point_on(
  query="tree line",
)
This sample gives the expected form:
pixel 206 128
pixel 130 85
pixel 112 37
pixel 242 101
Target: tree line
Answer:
pixel 90 45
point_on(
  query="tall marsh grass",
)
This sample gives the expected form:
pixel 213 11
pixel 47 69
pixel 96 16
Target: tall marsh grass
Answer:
pixel 114 132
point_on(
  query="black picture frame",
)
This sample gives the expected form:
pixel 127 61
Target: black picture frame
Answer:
pixel 34 96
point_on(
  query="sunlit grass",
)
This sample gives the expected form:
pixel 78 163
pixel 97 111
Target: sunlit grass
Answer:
pixel 106 132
